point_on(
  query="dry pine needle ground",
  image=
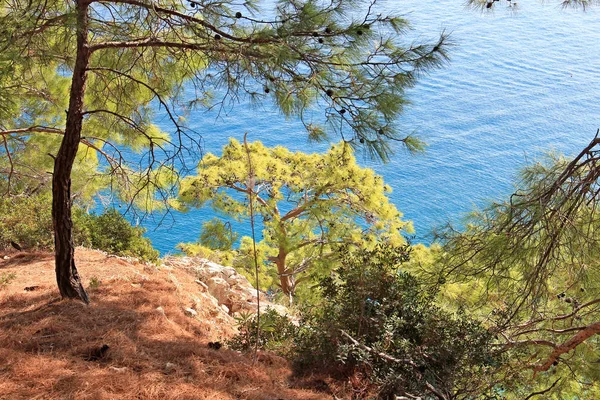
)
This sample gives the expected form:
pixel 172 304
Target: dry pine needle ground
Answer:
pixel 52 349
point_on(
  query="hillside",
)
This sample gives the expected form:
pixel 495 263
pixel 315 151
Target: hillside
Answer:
pixel 49 348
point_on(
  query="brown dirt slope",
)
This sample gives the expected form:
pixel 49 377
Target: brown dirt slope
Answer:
pixel 155 350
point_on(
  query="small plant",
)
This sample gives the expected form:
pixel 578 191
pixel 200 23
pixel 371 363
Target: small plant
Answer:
pixel 218 235
pixel 6 278
pixel 276 332
pixel 94 282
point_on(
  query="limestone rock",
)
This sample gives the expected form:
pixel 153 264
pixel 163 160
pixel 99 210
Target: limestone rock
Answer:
pixel 228 291
pixel 220 289
pixel 203 285
pixel 190 312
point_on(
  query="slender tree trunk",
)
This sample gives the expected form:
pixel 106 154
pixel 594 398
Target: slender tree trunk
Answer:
pixel 285 279
pixel 67 277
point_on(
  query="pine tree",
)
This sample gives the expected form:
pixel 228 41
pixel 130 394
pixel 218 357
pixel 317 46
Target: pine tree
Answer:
pixel 311 205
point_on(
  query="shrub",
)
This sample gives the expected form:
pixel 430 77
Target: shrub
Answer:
pixel 218 235
pixel 277 332
pixel 27 220
pixel 112 233
pixel 379 321
pixel 94 283
pixel 222 257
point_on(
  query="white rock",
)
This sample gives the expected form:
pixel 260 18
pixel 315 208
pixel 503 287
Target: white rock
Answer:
pixel 223 291
pixel 170 367
pixel 229 271
pixel 203 285
pixel 210 298
pixel 190 312
pixel 219 288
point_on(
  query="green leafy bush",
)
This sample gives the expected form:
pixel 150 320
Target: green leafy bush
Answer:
pixel 378 320
pixel 27 220
pixel 94 283
pixel 222 257
pixel 276 332
pixel 112 233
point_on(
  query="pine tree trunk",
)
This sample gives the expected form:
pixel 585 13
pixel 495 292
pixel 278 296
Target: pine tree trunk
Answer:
pixel 67 277
pixel 285 280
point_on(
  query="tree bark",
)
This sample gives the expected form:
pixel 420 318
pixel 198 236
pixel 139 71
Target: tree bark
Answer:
pixel 67 277
pixel 285 279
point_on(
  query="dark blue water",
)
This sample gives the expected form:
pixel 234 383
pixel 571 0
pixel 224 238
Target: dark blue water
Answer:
pixel 518 85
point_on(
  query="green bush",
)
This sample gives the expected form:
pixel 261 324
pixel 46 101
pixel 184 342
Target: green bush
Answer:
pixel 381 322
pixel 112 233
pixel 218 235
pixel 27 220
pixel 276 332
pixel 222 257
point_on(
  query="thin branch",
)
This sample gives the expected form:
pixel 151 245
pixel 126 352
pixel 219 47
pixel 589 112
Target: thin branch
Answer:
pixel 435 391
pixel 378 353
pixel 33 129
pixel 543 391
pixel 12 167
pixel 201 22
pixel 250 185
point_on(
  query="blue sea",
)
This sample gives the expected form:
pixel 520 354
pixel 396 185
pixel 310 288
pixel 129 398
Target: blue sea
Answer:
pixel 520 83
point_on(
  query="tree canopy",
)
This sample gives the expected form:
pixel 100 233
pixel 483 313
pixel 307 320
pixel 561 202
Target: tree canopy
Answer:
pixel 529 267
pixel 311 205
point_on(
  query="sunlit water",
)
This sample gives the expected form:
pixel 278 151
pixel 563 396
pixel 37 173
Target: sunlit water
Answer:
pixel 518 85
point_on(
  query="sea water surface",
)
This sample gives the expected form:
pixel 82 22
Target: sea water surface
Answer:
pixel 519 84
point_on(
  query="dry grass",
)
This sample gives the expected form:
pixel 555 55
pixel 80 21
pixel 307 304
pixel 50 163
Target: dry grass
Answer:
pixel 154 354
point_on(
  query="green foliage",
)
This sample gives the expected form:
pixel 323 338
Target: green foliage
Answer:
pixel 308 53
pixel 276 332
pixel 218 235
pixel 380 321
pixel 26 220
pixel 529 266
pixel 217 256
pixel 243 262
pixel 6 278
pixel 311 205
pixel 111 232
pixel 94 283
